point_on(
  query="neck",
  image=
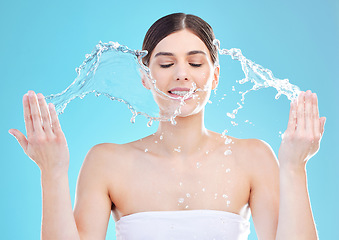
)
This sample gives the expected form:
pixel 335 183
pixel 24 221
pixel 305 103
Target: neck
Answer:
pixel 186 137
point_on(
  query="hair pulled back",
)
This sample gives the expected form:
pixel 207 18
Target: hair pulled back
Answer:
pixel 175 22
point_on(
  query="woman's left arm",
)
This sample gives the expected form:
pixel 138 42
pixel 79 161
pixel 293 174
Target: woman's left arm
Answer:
pixel 300 142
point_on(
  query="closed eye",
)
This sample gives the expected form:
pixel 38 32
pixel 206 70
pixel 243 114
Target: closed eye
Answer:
pixel 195 64
pixel 166 65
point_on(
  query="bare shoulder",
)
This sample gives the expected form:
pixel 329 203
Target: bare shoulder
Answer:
pixel 98 159
pixel 106 155
pixel 262 164
pixel 256 157
pixel 105 165
pixel 256 151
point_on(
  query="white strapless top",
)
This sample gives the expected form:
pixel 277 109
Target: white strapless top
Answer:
pixel 183 225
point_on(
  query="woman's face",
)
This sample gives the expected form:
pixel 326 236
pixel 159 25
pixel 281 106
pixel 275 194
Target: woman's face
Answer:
pixel 178 61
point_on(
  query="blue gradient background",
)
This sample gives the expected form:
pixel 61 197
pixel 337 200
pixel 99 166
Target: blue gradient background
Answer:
pixel 43 41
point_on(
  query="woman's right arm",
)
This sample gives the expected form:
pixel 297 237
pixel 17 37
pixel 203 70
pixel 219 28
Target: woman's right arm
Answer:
pixel 47 147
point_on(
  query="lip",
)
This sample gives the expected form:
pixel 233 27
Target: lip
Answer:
pixel 179 89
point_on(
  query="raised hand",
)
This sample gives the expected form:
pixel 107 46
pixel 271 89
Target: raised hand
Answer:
pixel 302 137
pixel 45 143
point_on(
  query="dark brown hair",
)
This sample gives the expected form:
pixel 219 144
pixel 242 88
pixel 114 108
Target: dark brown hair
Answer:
pixel 176 22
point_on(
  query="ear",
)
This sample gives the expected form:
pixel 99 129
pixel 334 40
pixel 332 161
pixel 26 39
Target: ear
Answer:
pixel 144 80
pixel 216 77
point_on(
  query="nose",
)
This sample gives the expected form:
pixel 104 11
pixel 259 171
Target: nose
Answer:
pixel 181 73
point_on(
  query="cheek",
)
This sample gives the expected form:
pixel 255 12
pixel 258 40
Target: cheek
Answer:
pixel 162 77
pixel 203 76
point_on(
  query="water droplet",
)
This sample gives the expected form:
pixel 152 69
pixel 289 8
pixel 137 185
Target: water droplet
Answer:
pixel 161 137
pixel 228 203
pixel 173 122
pixel 230 115
pixel 228 152
pixel 150 122
pixel 228 140
pixel 203 189
pixel 228 170
pixel 223 134
pixel 181 200
pixel 198 164
pixel 146 150
pixel 233 88
pixel 178 149
pixel 234 123
pixel 186 206
pixel 215 195
pixel 206 152
pixel 180 184
pixel 224 196
pixel 188 195
pixel 155 141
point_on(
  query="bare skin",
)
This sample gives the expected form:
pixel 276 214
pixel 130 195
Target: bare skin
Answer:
pixel 204 181
pixel 182 161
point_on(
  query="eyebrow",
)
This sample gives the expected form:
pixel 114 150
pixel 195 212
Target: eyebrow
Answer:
pixel 171 54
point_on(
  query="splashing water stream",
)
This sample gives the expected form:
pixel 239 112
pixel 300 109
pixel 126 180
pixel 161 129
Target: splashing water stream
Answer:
pixel 260 77
pixel 115 71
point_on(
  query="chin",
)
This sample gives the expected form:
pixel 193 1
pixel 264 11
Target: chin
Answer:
pixel 189 110
pixel 191 107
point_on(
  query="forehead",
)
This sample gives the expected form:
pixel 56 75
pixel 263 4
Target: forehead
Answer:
pixel 180 42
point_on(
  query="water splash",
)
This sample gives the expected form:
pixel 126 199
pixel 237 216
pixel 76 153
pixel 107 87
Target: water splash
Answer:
pixel 260 77
pixel 116 71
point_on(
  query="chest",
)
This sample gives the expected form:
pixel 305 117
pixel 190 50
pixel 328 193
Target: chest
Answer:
pixel 206 182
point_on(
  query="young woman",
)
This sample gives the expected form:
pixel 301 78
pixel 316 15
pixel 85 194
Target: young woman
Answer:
pixel 178 183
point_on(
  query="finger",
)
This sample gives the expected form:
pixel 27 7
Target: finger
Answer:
pixel 27 115
pixel 36 117
pixel 323 121
pixel 309 112
pixel 292 117
pixel 20 138
pixel 44 114
pixel 55 121
pixel 317 123
pixel 301 112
